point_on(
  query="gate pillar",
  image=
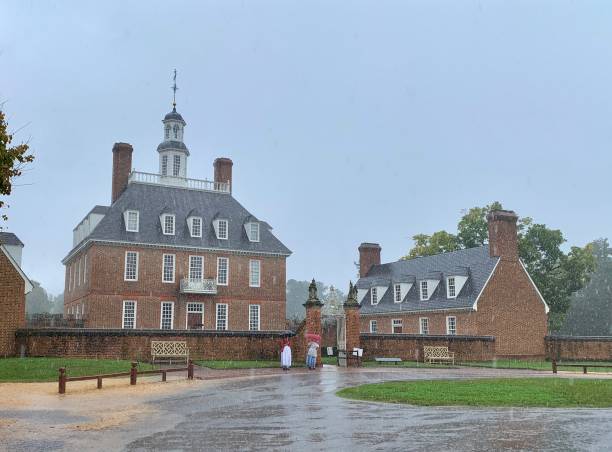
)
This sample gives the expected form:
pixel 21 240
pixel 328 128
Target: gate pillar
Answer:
pixel 313 315
pixel 351 311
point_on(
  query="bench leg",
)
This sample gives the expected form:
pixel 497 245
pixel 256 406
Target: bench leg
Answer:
pixel 584 369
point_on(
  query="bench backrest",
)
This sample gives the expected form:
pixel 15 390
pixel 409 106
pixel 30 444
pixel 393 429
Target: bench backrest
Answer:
pixel 168 348
pixel 435 352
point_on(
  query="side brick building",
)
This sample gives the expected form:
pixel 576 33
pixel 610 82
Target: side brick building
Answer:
pixel 483 291
pixel 171 252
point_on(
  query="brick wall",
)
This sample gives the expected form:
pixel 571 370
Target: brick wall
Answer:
pixel 136 344
pixel 466 324
pixel 588 348
pixel 12 305
pixel 103 292
pixel 410 346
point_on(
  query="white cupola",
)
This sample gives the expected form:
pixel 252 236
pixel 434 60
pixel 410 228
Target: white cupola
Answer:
pixel 172 151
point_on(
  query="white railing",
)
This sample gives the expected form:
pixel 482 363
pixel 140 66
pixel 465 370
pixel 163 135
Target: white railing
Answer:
pixel 208 286
pixel 192 184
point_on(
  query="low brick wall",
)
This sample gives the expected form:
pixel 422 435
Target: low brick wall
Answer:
pixel 410 346
pixel 136 344
pixel 589 348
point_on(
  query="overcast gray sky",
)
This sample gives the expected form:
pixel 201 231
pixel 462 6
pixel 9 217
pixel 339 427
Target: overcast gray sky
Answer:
pixel 347 121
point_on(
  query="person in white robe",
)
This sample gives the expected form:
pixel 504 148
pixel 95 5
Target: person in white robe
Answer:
pixel 286 355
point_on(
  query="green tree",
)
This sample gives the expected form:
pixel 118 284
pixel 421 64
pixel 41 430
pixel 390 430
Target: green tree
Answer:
pixel 12 161
pixel 590 312
pixel 38 300
pixel 556 274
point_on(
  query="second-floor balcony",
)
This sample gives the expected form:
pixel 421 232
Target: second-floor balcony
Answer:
pixel 183 182
pixel 202 286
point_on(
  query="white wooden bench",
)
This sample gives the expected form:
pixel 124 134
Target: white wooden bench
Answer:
pixel 438 355
pixel 388 360
pixel 169 350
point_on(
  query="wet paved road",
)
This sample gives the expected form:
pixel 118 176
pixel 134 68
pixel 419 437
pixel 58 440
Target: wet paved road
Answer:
pixel 300 411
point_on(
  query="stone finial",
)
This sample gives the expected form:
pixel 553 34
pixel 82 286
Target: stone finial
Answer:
pixel 351 299
pixel 313 300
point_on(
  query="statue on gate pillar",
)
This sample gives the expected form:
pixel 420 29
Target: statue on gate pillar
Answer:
pixel 351 311
pixel 313 320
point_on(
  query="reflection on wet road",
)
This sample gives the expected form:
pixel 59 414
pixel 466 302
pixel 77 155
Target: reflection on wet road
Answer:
pixel 301 412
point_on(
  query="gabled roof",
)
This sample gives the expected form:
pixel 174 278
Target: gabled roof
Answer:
pixel 475 263
pixel 151 200
pixel 28 284
pixel 8 238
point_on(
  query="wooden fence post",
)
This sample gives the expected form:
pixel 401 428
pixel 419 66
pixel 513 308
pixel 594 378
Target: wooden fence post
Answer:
pixel 99 382
pixel 554 366
pixel 163 375
pixel 133 373
pixel 190 370
pixel 62 380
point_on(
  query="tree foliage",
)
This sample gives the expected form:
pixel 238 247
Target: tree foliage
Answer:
pixel 12 161
pixel 590 312
pixel 556 274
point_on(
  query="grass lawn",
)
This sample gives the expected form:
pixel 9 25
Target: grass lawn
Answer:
pixel 46 369
pixel 536 365
pixel 499 392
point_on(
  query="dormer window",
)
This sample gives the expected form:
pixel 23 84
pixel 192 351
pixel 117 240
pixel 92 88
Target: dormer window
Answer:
pixel 450 284
pixel 168 224
pixel 424 291
pixel 131 218
pixel 253 231
pixel 374 295
pixel 397 293
pixel 221 229
pixel 195 226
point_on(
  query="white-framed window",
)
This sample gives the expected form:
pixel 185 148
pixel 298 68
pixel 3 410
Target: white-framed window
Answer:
pixel 176 164
pixel 129 314
pixel 222 271
pixel 451 325
pixel 451 287
pixel 222 229
pixel 78 273
pixel 168 224
pixel 84 269
pixel 168 268
pixel 78 308
pixel 196 268
pixel 254 273
pixel 132 220
pixel 253 229
pixel 373 326
pixel 423 325
pixel 131 266
pixel 397 293
pixel 167 134
pixel 221 323
pixel 83 310
pixel 69 277
pixel 196 227
pixel 396 326
pixel 164 163
pixel 254 317
pixel 424 290
pixel 167 315
pixel 374 295
pixel 196 309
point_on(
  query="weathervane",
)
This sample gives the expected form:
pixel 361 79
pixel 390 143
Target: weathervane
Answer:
pixel 174 88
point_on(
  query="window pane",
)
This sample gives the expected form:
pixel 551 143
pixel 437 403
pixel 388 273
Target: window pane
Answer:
pixel 222 229
pixel 169 224
pixel 222 270
pixel 195 268
pixel 254 277
pixel 167 312
pixel 129 314
pixel 254 317
pixel 168 274
pixel 196 227
pixel 176 166
pixel 131 266
pixel 451 287
pixel 222 317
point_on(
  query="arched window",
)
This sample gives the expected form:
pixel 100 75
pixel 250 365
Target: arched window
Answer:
pixel 167 132
pixel 175 131
pixel 164 165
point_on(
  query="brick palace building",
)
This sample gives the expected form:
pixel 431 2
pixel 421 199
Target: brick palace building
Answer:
pixel 483 291
pixel 174 253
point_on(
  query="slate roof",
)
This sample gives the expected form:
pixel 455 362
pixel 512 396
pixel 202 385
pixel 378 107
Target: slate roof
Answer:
pixel 153 200
pixel 8 238
pixel 174 115
pixel 475 263
pixel 172 144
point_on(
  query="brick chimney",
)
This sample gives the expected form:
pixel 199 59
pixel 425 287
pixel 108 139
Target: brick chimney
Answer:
pixel 223 170
pixel 369 254
pixel 122 165
pixel 503 238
